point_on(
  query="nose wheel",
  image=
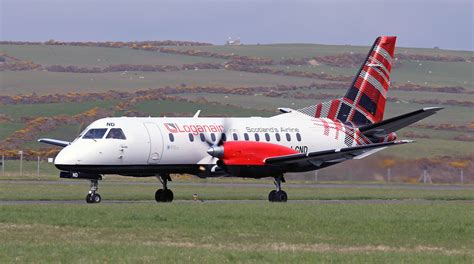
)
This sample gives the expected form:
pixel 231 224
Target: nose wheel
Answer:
pixel 93 196
pixel 164 195
pixel 278 195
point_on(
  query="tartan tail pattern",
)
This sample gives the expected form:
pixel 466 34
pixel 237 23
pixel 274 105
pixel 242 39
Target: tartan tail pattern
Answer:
pixel 364 102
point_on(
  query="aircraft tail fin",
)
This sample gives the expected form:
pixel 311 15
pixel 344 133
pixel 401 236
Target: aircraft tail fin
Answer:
pixel 364 102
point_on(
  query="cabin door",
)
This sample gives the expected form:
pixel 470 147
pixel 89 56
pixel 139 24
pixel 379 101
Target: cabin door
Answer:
pixel 155 142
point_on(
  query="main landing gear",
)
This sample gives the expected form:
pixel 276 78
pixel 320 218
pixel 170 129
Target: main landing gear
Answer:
pixel 278 195
pixel 164 195
pixel 93 196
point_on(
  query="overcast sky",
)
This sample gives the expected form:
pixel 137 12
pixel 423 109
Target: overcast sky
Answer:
pixel 418 23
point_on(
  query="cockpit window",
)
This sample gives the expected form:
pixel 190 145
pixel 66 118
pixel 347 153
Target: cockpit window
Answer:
pixel 116 133
pixel 95 133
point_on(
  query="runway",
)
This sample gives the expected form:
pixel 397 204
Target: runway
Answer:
pixel 259 185
pixel 243 185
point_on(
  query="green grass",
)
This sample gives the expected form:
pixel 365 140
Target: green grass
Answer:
pixel 277 51
pixel 47 110
pixel 257 101
pixel 162 108
pixel 7 129
pixel 427 73
pixel 433 73
pixel 65 132
pixel 424 148
pixel 223 233
pixel 119 188
pixel 451 114
pixel 96 56
pixel 12 169
pixel 54 82
pixel 400 94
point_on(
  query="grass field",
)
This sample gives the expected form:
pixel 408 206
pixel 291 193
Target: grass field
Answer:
pixel 47 110
pixel 436 229
pixel 451 114
pixel 40 82
pixel 253 233
pixel 383 223
pixel 277 51
pixel 126 189
pixel 427 73
pixel 96 56
pixel 161 108
pixel 423 72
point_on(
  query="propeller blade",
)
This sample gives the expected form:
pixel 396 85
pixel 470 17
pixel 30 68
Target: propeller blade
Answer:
pixel 208 160
pixel 215 147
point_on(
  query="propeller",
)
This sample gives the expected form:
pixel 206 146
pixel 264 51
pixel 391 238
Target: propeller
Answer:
pixel 215 144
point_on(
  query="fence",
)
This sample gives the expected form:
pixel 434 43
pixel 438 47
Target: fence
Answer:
pixel 348 171
pixel 30 168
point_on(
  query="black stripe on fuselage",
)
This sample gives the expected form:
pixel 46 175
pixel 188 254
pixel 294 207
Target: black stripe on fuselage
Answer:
pixel 145 170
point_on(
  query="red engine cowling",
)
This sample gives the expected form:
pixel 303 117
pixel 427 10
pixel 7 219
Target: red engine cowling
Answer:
pixel 250 152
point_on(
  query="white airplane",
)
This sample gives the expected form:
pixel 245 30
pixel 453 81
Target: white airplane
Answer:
pixel 311 138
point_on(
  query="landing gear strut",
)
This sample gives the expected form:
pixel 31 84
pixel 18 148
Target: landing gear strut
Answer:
pixel 278 195
pixel 165 194
pixel 93 196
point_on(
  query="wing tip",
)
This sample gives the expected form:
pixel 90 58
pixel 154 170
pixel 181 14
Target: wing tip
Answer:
pixel 432 109
pixel 404 141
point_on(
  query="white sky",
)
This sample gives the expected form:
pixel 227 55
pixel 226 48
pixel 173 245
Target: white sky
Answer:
pixel 420 23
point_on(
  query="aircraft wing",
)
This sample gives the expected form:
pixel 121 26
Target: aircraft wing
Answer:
pixel 54 142
pixel 331 156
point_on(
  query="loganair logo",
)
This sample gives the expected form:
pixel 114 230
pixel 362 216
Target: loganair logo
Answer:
pixel 195 129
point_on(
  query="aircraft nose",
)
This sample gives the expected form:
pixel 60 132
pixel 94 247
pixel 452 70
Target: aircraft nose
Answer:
pixel 64 157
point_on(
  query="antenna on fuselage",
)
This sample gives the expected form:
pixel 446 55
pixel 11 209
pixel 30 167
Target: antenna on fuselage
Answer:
pixel 196 115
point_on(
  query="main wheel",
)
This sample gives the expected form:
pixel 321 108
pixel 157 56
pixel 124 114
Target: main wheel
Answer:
pixel 168 195
pixel 281 196
pixel 159 195
pixel 96 198
pixel 272 195
pixel 89 198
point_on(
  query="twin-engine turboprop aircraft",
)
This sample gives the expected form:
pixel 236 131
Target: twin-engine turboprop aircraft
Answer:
pixel 311 138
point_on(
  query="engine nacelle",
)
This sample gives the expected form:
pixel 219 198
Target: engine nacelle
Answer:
pixel 247 152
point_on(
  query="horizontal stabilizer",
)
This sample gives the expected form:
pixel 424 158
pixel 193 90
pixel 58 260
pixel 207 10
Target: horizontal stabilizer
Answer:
pixel 395 123
pixel 55 142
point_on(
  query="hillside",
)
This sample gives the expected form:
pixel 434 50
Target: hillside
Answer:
pixel 55 89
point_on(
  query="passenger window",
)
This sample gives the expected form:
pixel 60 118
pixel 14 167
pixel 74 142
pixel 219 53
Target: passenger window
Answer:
pixel 246 136
pixel 257 137
pixel 213 137
pixel 203 138
pixel 298 136
pixel 224 137
pixel 191 137
pixel 288 137
pixel 171 137
pixel 116 133
pixel 95 133
pixel 267 136
pixel 235 136
pixel 277 136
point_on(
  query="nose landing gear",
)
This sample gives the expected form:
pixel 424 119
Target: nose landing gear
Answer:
pixel 93 196
pixel 278 195
pixel 164 195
